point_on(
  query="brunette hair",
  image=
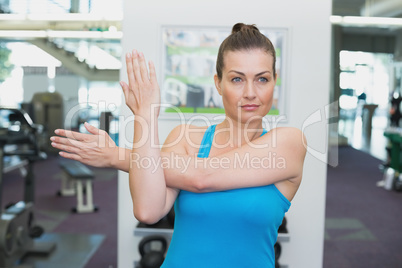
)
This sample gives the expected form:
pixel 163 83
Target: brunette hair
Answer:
pixel 244 37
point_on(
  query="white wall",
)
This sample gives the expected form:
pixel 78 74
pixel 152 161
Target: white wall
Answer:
pixel 307 93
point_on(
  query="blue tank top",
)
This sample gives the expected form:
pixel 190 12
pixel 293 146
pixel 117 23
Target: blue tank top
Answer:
pixel 234 228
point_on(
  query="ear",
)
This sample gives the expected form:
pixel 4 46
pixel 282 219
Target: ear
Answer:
pixel 218 84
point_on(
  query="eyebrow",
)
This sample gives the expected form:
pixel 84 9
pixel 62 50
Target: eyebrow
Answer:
pixel 240 73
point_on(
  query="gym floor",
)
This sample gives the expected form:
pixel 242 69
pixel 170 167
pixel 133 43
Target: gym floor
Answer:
pixel 362 220
pixel 362 227
pixel 82 240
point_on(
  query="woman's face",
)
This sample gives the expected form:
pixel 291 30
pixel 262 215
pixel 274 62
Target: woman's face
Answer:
pixel 247 84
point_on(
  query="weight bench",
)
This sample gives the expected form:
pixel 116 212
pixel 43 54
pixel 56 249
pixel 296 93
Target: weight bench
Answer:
pixel 77 180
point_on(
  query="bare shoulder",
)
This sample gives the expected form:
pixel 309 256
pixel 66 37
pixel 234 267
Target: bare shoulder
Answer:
pixel 193 138
pixel 290 132
pixel 184 138
pixel 289 137
pixel 174 141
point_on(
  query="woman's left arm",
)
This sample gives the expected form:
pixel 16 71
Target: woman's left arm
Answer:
pixel 277 156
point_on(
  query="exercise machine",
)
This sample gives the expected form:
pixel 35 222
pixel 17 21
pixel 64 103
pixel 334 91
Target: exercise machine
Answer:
pixel 17 223
pixel 47 110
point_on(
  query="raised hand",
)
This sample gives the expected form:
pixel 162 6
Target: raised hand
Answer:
pixel 142 92
pixel 96 149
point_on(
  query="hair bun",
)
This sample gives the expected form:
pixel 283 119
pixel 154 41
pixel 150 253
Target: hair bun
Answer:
pixel 238 27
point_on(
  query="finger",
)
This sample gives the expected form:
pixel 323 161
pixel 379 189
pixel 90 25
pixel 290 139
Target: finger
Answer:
pixel 136 67
pixel 73 138
pixel 90 141
pixel 57 142
pixel 125 88
pixel 93 130
pixel 65 148
pixel 143 67
pixel 129 66
pixel 152 73
pixel 70 134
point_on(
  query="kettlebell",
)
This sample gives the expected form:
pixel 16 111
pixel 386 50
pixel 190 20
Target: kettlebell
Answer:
pixel 283 228
pixel 278 250
pixel 151 258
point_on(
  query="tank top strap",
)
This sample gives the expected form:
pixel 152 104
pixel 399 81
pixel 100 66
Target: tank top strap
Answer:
pixel 206 142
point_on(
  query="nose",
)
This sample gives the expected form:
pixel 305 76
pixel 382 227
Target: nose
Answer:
pixel 249 90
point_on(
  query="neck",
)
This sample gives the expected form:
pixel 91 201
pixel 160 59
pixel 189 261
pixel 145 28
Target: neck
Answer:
pixel 235 133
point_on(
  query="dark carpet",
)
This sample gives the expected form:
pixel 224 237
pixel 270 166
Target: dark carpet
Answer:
pixel 363 221
pixel 54 213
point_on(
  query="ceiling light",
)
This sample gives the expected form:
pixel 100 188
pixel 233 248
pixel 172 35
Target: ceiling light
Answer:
pixel 23 34
pixel 61 34
pixel 366 21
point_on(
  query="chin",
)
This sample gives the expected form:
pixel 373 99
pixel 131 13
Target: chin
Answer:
pixel 251 119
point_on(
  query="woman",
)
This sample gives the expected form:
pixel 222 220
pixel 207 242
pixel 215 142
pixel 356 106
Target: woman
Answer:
pixel 230 197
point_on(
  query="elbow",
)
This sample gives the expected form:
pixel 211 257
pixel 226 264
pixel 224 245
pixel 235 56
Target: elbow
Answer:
pixel 200 185
pixel 145 216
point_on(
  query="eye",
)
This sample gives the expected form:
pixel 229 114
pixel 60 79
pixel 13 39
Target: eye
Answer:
pixel 263 79
pixel 236 79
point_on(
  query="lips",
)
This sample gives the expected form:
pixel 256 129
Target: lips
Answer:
pixel 249 107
